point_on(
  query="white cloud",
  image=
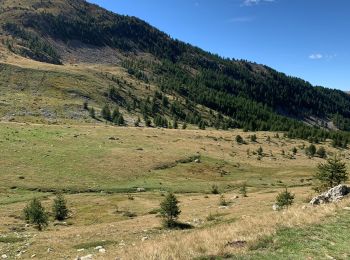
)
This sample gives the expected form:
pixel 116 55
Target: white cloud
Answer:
pixel 242 19
pixel 316 56
pixel 256 2
pixel 319 56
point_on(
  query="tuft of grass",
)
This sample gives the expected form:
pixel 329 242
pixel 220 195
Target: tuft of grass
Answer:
pixel 154 211
pixel 11 240
pixel 93 244
pixel 262 242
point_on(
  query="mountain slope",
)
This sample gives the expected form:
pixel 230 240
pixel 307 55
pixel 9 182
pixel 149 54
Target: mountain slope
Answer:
pixel 247 95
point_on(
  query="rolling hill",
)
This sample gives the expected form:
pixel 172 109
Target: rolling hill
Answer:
pixel 65 53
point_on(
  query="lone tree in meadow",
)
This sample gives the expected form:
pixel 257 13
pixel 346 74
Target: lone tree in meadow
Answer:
pixel 239 139
pixel 331 173
pixel 285 199
pixel 169 210
pixel 59 208
pixel 34 213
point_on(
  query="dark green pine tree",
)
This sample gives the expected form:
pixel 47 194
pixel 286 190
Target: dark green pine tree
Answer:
pixel 59 208
pixel 106 113
pixel 169 210
pixel 331 173
pixel 285 199
pixel 35 213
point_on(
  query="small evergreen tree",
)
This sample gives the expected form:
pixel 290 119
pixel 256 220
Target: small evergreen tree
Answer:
pixel 169 210
pixel 85 105
pixel 34 213
pixel 294 150
pixel 311 150
pixel 106 113
pixel 253 138
pixel 260 151
pixel 285 199
pixel 59 208
pixel 184 126
pixel 202 125
pixel 115 114
pixel 175 124
pixel 239 139
pixel 137 122
pixel 331 173
pixel 92 112
pixel 148 122
pixel 119 120
pixel 321 152
pixel 112 94
pixel 215 189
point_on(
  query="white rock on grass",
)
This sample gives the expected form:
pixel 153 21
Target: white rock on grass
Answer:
pixel 4 256
pixel 275 207
pixel 333 195
pixel 87 257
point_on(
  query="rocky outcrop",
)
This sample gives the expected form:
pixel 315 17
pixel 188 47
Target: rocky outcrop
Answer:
pixel 335 194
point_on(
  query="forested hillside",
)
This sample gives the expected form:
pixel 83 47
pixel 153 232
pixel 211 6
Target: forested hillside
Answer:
pixel 238 94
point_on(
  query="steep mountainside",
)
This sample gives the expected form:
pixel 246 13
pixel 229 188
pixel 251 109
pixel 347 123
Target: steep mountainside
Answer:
pixel 105 58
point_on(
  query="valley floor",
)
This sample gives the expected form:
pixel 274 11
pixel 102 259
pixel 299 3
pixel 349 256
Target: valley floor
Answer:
pixel 100 167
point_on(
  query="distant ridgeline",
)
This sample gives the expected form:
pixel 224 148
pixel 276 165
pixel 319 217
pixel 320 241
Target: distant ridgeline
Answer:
pixel 238 93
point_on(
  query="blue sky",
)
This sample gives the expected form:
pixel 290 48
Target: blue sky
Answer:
pixel 304 38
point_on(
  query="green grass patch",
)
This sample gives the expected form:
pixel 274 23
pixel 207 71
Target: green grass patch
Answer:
pixel 93 244
pixel 322 241
pixel 11 240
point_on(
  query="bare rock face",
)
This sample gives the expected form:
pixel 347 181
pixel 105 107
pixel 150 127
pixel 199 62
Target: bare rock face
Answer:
pixel 335 194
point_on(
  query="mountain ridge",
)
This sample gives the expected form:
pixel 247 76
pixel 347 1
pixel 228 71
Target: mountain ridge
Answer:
pixel 249 95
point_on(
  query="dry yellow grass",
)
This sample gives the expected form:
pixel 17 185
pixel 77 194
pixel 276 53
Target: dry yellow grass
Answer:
pixel 212 241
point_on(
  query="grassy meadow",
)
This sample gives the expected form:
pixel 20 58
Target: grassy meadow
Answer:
pixel 99 168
